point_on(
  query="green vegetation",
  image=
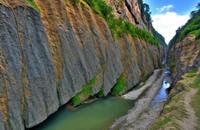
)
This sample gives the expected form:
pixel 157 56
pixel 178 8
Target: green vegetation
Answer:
pixel 172 63
pixel 119 26
pixel 119 86
pixel 192 27
pixel 159 37
pixel 146 17
pixel 161 123
pixel 145 12
pixel 75 1
pixel 84 93
pixel 196 100
pixel 197 81
pixel 32 4
pixel 100 93
pixel 76 100
pixel 192 73
pixel 174 109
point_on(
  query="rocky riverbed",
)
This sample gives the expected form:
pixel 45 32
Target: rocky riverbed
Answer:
pixel 144 113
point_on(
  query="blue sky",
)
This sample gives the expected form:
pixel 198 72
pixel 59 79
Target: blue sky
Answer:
pixel 168 15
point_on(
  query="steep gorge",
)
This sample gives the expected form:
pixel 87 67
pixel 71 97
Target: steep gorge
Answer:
pixel 182 110
pixel 51 50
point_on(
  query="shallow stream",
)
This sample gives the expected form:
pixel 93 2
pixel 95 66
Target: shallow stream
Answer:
pixel 98 115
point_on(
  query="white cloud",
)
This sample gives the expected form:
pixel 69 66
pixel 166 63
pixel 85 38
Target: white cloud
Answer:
pixel 165 8
pixel 167 23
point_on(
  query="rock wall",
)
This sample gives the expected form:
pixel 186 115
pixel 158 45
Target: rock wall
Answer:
pixel 48 53
pixel 184 56
pixel 129 10
pixel 184 48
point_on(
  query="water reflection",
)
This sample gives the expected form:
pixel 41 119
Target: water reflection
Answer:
pixel 165 84
pixel 162 94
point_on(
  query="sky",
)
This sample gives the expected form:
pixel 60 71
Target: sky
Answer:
pixel 169 15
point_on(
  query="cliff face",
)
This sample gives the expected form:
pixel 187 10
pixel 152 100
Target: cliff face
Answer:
pixel 182 108
pixel 185 56
pixel 184 48
pixel 49 51
pixel 129 10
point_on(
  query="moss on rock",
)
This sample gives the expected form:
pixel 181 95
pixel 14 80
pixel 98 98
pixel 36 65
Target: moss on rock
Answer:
pixel 85 93
pixel 119 86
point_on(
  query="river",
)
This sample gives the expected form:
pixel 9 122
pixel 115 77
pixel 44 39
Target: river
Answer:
pixel 100 114
pixel 162 94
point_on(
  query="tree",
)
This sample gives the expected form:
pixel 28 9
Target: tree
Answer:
pixel 147 12
pixel 198 6
pixel 146 8
pixel 193 13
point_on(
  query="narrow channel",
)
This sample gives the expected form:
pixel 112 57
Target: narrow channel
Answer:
pixel 162 94
pixel 100 114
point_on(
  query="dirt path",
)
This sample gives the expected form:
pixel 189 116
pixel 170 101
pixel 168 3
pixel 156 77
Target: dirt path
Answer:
pixel 190 122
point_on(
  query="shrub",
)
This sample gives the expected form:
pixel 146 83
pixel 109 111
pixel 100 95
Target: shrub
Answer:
pixel 119 26
pixel 32 4
pixel 192 27
pixel 84 93
pixel 191 73
pixel 119 86
pixel 100 93
pixel 76 100
pixel 196 33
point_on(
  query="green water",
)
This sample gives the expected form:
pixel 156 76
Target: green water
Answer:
pixel 98 115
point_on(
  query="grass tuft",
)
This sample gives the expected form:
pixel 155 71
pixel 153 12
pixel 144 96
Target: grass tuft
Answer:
pixel 76 100
pixel 84 93
pixel 160 124
pixel 100 93
pixel 32 4
pixel 119 86
pixel 196 100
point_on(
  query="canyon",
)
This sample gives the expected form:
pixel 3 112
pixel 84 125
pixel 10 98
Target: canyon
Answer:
pixel 50 50
pixel 181 112
pixel 59 52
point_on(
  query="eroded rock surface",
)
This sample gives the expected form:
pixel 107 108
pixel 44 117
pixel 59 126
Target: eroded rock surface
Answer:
pixel 185 56
pixel 47 55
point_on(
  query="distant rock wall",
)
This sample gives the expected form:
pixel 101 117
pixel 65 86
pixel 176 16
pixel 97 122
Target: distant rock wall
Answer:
pixel 184 56
pixel 46 57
